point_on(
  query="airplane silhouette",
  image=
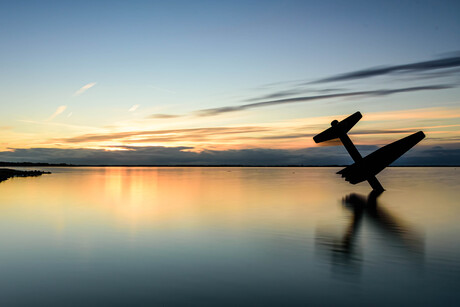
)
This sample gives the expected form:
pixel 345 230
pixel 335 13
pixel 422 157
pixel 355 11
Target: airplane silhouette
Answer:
pixel 368 167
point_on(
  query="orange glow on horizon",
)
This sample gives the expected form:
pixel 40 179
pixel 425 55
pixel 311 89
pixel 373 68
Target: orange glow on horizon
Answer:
pixel 375 128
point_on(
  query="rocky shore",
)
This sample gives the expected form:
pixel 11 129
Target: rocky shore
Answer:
pixel 6 173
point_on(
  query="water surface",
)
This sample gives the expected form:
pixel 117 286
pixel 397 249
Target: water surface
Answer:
pixel 229 236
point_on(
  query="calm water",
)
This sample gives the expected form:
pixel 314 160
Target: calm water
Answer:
pixel 229 236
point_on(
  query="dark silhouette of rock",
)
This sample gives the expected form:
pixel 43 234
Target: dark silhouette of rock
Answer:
pixel 6 173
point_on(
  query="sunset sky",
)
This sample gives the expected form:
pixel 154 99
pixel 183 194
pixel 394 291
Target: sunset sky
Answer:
pixel 171 82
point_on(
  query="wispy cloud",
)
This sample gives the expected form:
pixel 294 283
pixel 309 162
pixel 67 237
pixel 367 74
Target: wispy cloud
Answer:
pixel 84 88
pixel 376 128
pixel 163 116
pixel 447 66
pixel 133 108
pixel 286 93
pixel 444 63
pixel 380 92
pixel 58 111
pixel 164 135
pixel 279 94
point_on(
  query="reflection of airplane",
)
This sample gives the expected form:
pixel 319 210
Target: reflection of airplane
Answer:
pixel 366 168
pixel 346 250
pixel 394 229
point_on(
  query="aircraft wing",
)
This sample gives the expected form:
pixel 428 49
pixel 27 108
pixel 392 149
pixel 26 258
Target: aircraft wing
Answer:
pixel 341 127
pixel 375 162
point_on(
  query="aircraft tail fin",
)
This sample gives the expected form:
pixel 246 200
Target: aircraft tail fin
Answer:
pixel 338 128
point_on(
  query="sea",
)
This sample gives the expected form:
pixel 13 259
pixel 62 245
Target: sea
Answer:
pixel 229 236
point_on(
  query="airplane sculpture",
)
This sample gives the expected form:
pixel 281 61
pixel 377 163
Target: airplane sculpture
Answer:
pixel 366 168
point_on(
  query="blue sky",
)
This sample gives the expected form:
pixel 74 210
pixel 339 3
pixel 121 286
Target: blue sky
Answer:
pixel 137 59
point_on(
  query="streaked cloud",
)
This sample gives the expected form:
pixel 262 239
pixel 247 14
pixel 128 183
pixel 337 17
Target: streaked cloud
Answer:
pixel 163 116
pixel 287 93
pixel 376 128
pixel 58 111
pixel 438 68
pixel 444 63
pixel 133 108
pixel 168 134
pixel 84 88
pixel 279 94
pixel 425 114
pixel 359 94
pixel 373 93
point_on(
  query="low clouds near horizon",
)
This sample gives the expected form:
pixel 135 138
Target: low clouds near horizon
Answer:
pixel 156 155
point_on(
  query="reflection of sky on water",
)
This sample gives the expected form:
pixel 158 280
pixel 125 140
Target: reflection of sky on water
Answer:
pixel 229 235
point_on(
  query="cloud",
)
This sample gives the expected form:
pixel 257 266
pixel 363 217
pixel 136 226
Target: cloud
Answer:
pixel 163 116
pixel 58 111
pixel 356 132
pixel 383 131
pixel 170 134
pixel 133 108
pixel 381 92
pixel 286 93
pixel 437 122
pixel 436 155
pixel 444 63
pixel 84 88
pixel 156 155
pixel 427 69
pixel 179 156
pixel 278 94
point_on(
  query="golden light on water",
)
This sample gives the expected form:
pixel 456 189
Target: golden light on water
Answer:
pixel 196 222
pixel 139 198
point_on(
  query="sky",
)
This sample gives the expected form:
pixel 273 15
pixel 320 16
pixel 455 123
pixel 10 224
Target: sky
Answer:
pixel 226 82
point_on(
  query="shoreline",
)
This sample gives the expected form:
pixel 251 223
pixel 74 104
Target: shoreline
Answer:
pixel 7 173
